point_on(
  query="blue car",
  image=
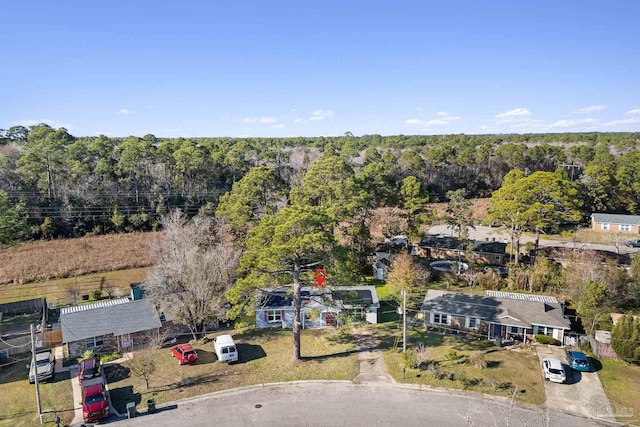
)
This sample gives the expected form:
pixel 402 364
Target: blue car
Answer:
pixel 578 361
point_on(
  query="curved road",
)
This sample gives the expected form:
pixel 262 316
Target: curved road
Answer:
pixel 343 403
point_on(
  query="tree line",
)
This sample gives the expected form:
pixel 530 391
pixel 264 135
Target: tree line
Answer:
pixel 53 184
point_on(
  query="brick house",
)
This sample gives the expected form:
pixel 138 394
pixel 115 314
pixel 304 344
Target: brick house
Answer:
pixel 615 223
pixel 105 326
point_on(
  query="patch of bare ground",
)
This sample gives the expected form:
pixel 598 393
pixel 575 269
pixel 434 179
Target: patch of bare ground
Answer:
pixel 44 260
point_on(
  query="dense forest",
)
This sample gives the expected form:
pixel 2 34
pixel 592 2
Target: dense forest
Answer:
pixel 53 184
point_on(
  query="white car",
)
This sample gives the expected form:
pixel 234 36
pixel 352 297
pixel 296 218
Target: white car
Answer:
pixel 554 371
pixel 45 367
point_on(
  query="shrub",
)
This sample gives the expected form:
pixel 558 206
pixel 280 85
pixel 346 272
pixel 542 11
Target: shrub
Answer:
pixel 452 355
pixel 88 354
pixel 625 339
pixel 104 358
pixel 477 360
pixel 436 372
pixel 96 294
pixel 545 339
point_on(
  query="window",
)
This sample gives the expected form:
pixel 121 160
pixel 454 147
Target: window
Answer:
pixel 625 227
pixel 498 258
pixel 605 225
pixel 440 318
pixel 514 330
pixel 274 315
pixel 473 323
pixel 94 342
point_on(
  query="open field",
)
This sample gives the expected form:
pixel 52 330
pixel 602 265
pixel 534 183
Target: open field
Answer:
pixel 621 382
pixel 264 358
pixel 57 291
pixel 44 260
pixel 506 371
pixel 18 397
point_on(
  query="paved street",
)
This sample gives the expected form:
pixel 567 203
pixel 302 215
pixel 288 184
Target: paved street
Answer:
pixel 482 232
pixel 346 404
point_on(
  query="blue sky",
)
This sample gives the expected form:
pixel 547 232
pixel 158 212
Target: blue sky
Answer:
pixel 291 68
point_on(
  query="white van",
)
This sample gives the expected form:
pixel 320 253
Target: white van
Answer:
pixel 225 348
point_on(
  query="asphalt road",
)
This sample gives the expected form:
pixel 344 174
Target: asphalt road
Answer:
pixel 344 403
pixel 482 232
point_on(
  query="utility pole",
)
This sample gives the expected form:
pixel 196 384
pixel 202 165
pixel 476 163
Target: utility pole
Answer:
pixel 35 373
pixel 404 321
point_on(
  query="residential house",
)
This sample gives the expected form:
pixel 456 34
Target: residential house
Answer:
pixel 615 223
pixel 449 247
pixel 320 306
pixel 112 325
pixel 505 314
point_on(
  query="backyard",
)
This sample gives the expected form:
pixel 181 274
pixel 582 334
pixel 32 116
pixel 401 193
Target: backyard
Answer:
pixel 621 382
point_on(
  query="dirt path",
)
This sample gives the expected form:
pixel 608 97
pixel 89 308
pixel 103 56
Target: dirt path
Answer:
pixel 372 369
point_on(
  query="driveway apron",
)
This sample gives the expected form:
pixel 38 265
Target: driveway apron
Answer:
pixel 372 369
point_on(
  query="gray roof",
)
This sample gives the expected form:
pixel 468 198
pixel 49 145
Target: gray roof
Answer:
pixel 347 296
pixel 118 317
pixel 510 311
pixel 616 219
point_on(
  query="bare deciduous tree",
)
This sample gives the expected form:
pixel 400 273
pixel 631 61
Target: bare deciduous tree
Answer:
pixel 195 264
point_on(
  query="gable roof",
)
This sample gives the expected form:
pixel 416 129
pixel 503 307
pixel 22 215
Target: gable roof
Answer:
pixel 343 296
pixel 450 242
pixel 616 219
pixel 509 309
pixel 117 317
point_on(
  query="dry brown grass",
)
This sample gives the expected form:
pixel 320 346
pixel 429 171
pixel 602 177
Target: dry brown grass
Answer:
pixel 44 260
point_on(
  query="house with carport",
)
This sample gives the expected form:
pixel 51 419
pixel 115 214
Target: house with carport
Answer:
pixel 320 307
pixel 498 315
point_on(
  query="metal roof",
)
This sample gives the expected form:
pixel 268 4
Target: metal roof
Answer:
pixel 99 304
pixel 522 297
pixel 616 219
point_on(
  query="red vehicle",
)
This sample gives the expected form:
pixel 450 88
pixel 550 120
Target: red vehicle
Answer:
pixel 95 405
pixel 184 353
pixel 89 368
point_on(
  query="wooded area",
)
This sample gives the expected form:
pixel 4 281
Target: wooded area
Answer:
pixel 53 184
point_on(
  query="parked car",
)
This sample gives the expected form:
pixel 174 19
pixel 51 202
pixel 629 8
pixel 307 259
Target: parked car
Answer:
pixel 497 269
pixel 632 243
pixel 554 371
pixel 225 348
pixel 45 366
pixel 578 361
pixel 95 405
pixel 184 353
pixel 89 368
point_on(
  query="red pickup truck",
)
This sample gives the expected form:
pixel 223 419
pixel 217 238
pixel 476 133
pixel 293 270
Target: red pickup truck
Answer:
pixel 95 405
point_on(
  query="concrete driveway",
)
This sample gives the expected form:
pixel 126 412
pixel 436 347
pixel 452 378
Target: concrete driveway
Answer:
pixel 581 395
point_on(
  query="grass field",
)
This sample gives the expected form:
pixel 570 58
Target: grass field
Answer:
pixel 18 397
pixel 506 370
pixel 57 291
pixel 621 382
pixel 264 358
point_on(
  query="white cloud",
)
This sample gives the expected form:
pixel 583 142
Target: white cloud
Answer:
pixel 278 126
pixel 414 122
pixel 590 109
pixel 321 114
pixel 261 120
pixel 53 123
pixel 630 121
pixel 515 115
pixel 318 114
pixel 124 111
pixel 633 112
pixel 575 123
pixel 436 122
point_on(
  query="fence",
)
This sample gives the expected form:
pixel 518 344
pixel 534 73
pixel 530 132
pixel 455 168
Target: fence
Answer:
pixel 35 305
pixel 602 350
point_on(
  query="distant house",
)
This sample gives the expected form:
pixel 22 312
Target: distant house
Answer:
pixel 113 325
pixel 615 223
pixel 320 307
pixel 448 247
pixel 505 314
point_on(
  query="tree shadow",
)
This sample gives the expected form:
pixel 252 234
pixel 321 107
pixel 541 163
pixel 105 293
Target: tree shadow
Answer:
pixel 60 376
pixel 188 382
pixel 493 363
pixel 249 352
pixel 115 372
pixel 120 396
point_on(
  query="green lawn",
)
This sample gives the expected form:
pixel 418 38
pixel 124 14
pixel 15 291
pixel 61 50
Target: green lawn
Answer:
pixel 264 358
pixel 506 369
pixel 18 397
pixel 621 382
